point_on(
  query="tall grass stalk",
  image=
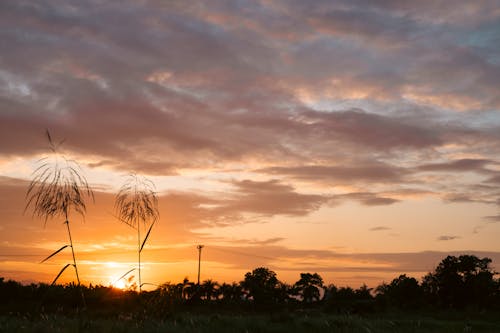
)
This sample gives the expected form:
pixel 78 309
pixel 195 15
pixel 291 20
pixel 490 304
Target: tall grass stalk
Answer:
pixel 57 188
pixel 137 203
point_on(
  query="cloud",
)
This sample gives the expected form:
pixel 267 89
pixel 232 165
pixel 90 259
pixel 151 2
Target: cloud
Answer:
pixel 373 130
pixel 492 219
pixel 470 197
pixel 263 242
pixel 258 60
pixel 368 199
pixel 340 93
pixel 447 238
pixel 376 173
pixel 368 25
pixel 495 179
pixel 266 198
pixel 183 212
pixel 380 228
pixel 461 165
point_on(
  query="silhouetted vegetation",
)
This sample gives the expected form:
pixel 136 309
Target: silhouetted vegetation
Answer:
pixel 137 203
pixel 464 285
pixel 57 189
pixel 462 281
pixel 403 292
pixel 263 288
pixel 309 287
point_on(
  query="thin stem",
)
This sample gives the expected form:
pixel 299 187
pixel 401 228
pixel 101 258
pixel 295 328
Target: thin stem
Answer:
pixel 139 253
pixel 74 261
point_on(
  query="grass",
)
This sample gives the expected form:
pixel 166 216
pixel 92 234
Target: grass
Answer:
pixel 57 188
pixel 137 202
pixel 220 323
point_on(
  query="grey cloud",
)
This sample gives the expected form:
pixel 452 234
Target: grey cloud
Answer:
pixel 373 130
pixel 247 242
pixel 457 165
pixel 269 241
pixel 406 33
pixel 369 199
pixel 380 228
pixel 469 196
pixel 495 179
pixel 370 25
pixel 253 201
pixel 426 11
pixel 447 238
pixel 94 36
pixel 458 197
pixel 269 198
pixel 492 219
pixel 375 173
pixel 197 85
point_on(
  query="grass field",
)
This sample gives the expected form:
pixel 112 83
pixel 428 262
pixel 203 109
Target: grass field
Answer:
pixel 217 323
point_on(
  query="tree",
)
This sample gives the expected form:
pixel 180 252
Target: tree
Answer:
pixel 188 288
pixel 261 284
pixel 209 289
pixel 348 300
pixel 282 292
pixel 309 286
pixel 231 292
pixel 137 203
pixel 403 292
pixel 461 281
pixel 57 188
pixel 363 292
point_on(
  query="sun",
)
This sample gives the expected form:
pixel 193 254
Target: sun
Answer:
pixel 120 284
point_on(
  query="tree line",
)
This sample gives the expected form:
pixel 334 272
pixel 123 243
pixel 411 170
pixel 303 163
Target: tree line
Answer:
pixel 463 282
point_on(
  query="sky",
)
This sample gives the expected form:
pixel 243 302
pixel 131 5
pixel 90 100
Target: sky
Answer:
pixel 356 139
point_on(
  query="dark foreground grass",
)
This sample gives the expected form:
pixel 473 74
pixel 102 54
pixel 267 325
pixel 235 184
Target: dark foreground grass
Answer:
pixel 216 323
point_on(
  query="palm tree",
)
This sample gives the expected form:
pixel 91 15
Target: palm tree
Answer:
pixel 188 288
pixel 137 203
pixel 209 289
pixel 56 189
pixel 231 292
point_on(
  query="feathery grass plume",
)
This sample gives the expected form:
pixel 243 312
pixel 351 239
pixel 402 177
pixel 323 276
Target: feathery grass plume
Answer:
pixel 57 188
pixel 137 203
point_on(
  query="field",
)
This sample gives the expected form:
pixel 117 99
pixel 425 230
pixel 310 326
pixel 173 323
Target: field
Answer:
pixel 281 322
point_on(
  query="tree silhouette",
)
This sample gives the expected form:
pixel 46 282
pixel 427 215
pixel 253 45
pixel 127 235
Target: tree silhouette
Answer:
pixel 137 203
pixel 461 281
pixel 402 292
pixel 57 189
pixel 309 287
pixel 348 300
pixel 188 288
pixel 261 285
pixel 231 292
pixel 282 292
pixel 264 292
pixel 209 289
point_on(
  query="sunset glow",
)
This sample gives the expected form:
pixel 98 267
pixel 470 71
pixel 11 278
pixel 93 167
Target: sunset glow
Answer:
pixel 357 140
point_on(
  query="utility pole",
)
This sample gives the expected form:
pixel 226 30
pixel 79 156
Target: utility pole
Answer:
pixel 199 247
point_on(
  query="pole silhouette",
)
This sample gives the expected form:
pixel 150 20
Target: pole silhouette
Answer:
pixel 199 247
